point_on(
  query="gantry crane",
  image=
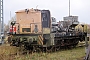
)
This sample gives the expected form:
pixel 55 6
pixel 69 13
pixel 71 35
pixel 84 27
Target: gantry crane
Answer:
pixel 1 22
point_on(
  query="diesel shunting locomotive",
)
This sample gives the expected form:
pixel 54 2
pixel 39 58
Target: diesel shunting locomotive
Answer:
pixel 35 30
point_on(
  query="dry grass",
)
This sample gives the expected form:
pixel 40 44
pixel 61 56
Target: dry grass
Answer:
pixel 12 53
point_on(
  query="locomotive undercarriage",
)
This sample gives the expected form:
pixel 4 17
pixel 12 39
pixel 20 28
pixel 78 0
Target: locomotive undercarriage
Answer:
pixel 26 43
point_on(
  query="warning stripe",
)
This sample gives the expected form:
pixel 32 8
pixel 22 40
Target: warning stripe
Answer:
pixel 40 39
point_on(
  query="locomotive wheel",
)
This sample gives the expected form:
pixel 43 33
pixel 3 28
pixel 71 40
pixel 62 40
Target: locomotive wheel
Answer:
pixel 49 49
pixel 75 45
pixel 38 50
pixel 34 50
pixel 57 48
pixel 22 49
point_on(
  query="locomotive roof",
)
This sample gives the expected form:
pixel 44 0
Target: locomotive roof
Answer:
pixel 23 10
pixel 29 10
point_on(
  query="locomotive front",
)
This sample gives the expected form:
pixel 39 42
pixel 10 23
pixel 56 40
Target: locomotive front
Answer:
pixel 32 28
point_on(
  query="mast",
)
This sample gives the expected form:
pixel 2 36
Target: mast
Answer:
pixel 1 21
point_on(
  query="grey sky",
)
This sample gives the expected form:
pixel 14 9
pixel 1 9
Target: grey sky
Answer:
pixel 58 8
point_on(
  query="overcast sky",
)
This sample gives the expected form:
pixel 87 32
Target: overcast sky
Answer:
pixel 58 8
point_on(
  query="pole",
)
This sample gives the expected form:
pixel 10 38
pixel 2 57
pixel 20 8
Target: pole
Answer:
pixel 69 7
pixel 86 45
pixel 10 14
pixel 86 42
pixel 1 22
